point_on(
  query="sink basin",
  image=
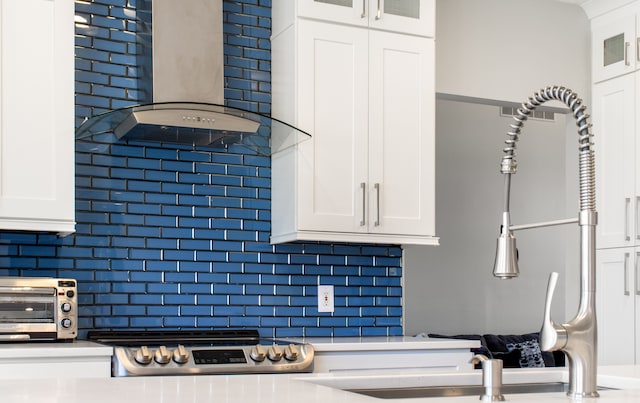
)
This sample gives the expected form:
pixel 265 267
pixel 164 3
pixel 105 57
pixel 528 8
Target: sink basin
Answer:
pixel 459 390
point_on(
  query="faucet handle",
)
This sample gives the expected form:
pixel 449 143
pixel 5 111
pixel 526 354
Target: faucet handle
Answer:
pixel 552 335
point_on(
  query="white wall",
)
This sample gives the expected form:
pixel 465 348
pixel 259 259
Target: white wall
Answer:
pixel 450 288
pixel 507 49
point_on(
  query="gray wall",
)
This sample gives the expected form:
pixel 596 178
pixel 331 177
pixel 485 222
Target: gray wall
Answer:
pixel 504 49
pixel 450 288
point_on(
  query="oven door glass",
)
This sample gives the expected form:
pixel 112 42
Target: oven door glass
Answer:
pixel 27 305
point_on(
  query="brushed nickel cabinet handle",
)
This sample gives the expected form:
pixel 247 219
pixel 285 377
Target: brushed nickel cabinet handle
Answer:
pixel 379 12
pixel 638 49
pixel 626 54
pixel 364 9
pixel 627 203
pixel 377 187
pixel 363 186
pixel 626 274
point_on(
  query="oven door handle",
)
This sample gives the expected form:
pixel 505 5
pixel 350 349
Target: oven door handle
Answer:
pixel 14 337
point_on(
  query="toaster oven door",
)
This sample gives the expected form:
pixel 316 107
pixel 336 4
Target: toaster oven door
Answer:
pixel 27 312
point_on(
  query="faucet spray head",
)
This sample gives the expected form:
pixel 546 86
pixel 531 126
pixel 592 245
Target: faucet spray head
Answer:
pixel 506 263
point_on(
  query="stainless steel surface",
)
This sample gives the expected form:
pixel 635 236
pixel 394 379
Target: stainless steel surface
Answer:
pixel 578 337
pixel 181 63
pixel 462 390
pixel 626 54
pixel 491 378
pixel 544 224
pixel 38 308
pixel 626 274
pixel 506 261
pixel 158 353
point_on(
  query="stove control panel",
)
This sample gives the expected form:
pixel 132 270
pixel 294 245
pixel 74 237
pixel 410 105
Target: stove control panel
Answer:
pixel 180 359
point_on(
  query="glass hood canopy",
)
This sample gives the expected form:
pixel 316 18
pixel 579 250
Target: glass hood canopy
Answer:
pixel 192 123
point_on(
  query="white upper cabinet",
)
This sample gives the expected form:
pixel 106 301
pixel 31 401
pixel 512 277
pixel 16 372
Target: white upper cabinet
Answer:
pixel 615 44
pixel 367 97
pixel 618 201
pixel 37 115
pixel 617 304
pixel 415 17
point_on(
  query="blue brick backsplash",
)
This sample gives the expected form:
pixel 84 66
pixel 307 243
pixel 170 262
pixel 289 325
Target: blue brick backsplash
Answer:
pixel 178 236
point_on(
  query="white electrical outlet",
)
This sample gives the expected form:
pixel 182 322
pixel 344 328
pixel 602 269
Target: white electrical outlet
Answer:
pixel 325 298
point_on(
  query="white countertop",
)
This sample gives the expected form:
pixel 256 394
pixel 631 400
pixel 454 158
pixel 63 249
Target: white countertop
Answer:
pixel 385 343
pixel 76 348
pixel 290 388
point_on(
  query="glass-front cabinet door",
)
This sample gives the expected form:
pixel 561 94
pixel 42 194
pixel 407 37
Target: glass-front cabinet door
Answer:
pixel 615 46
pixel 405 16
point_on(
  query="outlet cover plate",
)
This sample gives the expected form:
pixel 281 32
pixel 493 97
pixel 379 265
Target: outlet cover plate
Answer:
pixel 325 298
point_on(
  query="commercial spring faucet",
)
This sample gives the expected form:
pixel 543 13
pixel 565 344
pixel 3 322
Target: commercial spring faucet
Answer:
pixel 578 337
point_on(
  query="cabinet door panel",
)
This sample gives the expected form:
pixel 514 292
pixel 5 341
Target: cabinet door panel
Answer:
pixel 616 306
pixel 353 12
pixel 414 17
pixel 401 127
pixel 614 128
pixel 36 125
pixel 613 46
pixel 333 106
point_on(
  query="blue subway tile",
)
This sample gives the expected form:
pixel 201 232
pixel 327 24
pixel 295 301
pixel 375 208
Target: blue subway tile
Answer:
pixel 158 255
pixel 244 321
pixel 203 267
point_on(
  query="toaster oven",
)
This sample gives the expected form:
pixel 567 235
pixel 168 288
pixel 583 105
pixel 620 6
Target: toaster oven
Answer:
pixel 38 308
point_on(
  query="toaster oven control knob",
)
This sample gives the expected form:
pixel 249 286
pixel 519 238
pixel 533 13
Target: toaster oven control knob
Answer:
pixel 162 355
pixel 291 352
pixel 180 355
pixel 258 353
pixel 65 307
pixel 66 323
pixel 275 353
pixel 143 356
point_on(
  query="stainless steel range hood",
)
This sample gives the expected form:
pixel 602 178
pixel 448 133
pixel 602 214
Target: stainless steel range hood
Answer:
pixel 181 77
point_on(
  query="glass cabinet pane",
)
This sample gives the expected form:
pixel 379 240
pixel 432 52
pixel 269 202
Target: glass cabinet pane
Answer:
pixel 345 3
pixel 614 49
pixel 403 8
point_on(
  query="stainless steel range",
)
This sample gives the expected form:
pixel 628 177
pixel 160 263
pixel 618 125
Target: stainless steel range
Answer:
pixel 145 353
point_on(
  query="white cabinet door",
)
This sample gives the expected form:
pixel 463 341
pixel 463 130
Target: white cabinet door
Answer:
pixel 614 127
pixel 402 134
pixel 614 45
pixel 616 305
pixel 37 115
pixel 367 98
pixel 333 107
pixel 353 12
pixel 416 17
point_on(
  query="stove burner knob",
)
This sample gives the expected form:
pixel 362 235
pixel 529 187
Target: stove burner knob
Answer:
pixel 162 355
pixel 258 354
pixel 291 352
pixel 180 354
pixel 275 353
pixel 143 356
